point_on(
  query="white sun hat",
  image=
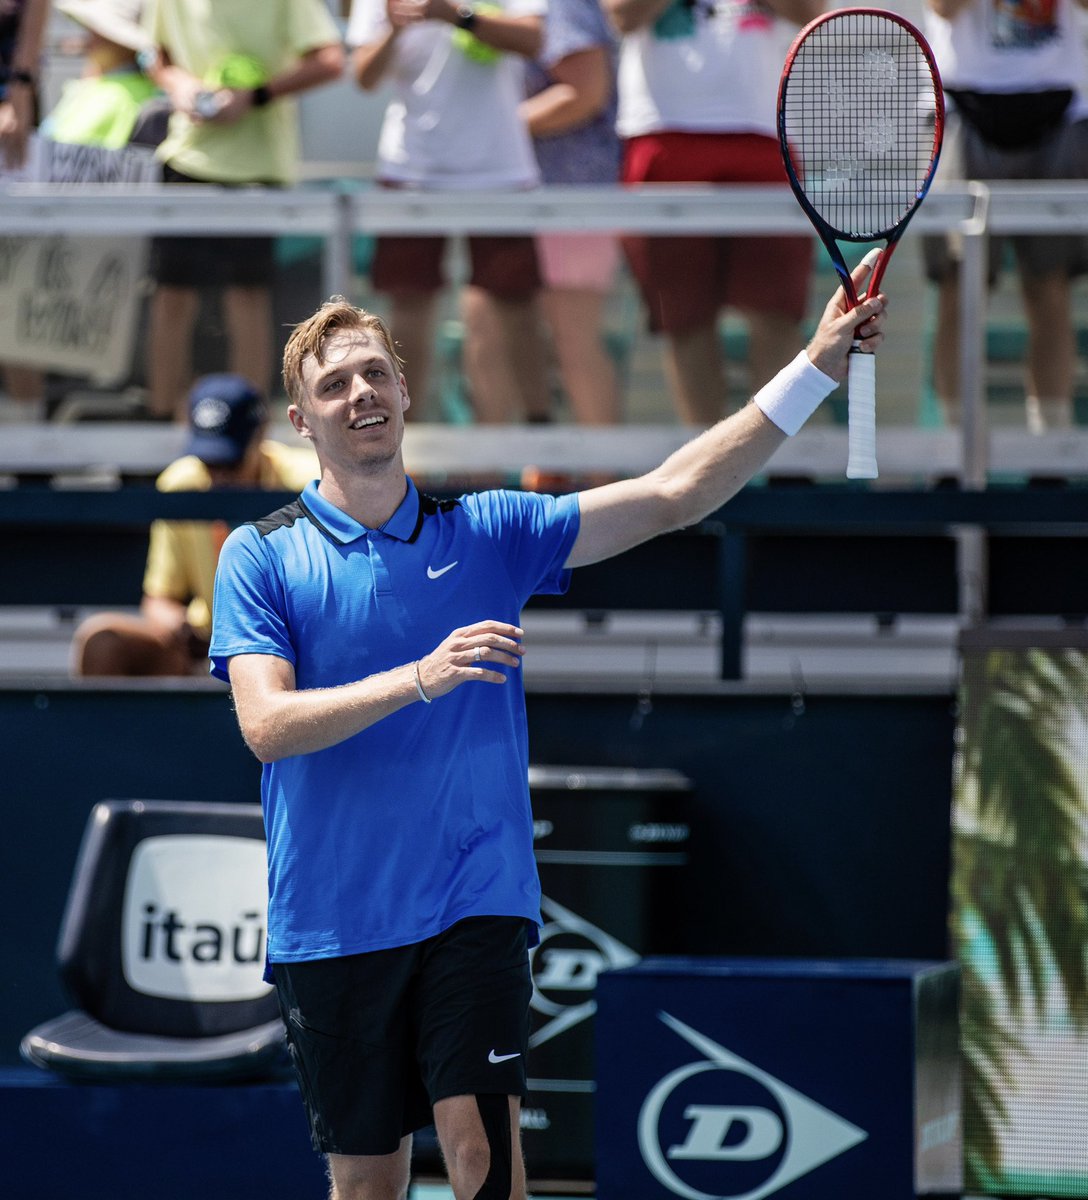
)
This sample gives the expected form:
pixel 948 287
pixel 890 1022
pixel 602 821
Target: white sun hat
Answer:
pixel 115 20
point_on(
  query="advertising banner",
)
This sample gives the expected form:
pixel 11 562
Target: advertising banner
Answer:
pixel 740 1079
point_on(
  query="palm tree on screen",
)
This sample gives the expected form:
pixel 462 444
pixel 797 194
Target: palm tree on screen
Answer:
pixel 1019 902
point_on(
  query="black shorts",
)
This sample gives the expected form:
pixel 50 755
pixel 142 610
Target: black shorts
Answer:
pixel 194 262
pixel 378 1038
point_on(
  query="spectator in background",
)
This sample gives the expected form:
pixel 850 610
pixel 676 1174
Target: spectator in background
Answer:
pixel 570 110
pixel 453 125
pixel 227 448
pixel 698 84
pixel 231 72
pixel 1014 73
pixel 103 106
pixel 22 34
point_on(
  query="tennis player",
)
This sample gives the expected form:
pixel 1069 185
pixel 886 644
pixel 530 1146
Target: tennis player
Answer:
pixel 370 635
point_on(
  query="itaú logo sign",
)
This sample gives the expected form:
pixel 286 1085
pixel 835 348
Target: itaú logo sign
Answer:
pixel 719 1128
pixel 194 918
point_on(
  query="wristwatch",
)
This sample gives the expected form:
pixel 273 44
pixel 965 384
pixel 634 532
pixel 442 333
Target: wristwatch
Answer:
pixel 261 96
pixel 466 16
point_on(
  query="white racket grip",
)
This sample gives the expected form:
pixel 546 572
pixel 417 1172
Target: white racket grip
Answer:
pixel 861 416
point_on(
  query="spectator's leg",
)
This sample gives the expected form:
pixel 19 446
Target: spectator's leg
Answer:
pixel 170 350
pixel 248 317
pixel 773 340
pixel 505 361
pixel 946 350
pixel 575 317
pixel 696 377
pixel 412 319
pixel 111 644
pixel 1051 355
pixel 26 386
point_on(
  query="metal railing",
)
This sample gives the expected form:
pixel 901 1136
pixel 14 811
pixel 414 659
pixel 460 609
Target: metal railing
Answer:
pixel 339 212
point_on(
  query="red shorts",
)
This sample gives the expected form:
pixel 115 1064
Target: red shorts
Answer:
pixel 686 281
pixel 505 267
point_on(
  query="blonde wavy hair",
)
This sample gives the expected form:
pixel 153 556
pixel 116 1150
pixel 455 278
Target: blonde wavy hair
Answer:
pixel 309 336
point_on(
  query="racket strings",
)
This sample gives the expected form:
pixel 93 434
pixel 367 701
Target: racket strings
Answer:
pixel 858 115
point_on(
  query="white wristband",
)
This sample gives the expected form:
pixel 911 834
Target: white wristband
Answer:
pixel 794 394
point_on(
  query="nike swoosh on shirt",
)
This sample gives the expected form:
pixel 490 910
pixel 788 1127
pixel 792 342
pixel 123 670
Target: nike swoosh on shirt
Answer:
pixel 498 1058
pixel 433 574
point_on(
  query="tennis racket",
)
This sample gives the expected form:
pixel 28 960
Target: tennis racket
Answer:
pixel 860 122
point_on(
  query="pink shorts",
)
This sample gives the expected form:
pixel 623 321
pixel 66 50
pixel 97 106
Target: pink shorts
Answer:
pixel 578 261
pixel 686 281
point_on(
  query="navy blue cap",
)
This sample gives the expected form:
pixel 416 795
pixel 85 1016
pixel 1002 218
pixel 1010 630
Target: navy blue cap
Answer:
pixel 225 411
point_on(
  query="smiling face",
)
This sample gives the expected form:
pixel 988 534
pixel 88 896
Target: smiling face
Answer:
pixel 351 402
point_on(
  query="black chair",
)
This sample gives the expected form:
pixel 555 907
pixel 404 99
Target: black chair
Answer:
pixel 162 950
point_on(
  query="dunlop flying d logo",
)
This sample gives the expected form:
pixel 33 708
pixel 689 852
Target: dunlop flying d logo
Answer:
pixel 565 965
pixel 719 1128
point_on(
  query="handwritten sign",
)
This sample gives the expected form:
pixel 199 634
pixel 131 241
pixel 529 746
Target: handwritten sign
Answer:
pixel 72 304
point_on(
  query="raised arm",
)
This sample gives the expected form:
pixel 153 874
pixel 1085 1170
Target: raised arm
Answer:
pixel 279 720
pixel 703 474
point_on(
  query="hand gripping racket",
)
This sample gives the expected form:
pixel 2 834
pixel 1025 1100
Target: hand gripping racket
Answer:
pixel 860 121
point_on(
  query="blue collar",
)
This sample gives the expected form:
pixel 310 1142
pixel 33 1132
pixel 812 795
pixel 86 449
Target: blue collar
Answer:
pixel 402 525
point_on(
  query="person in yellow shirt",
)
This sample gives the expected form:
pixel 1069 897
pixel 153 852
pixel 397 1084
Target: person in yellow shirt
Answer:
pixel 101 108
pixel 227 447
pixel 233 73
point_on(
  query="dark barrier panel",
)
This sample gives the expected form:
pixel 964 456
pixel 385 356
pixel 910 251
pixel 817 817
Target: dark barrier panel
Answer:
pixel 611 845
pixel 819 826
pixel 820 823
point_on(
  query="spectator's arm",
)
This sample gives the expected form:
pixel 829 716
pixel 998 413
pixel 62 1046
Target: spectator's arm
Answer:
pixel 167 614
pixel 324 64
pixel 17 110
pixel 628 16
pixel 582 84
pixel 370 63
pixel 514 35
pixel 179 87
pixel 314 68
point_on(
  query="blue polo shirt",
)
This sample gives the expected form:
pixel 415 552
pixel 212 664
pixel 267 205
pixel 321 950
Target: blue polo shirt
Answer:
pixel 423 819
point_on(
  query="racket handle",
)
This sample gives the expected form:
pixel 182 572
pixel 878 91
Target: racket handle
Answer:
pixel 861 416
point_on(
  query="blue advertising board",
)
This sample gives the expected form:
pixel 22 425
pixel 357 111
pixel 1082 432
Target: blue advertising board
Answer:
pixel 738 1079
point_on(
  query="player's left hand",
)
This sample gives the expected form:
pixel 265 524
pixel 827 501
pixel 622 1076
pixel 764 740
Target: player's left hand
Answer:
pixel 841 326
pixel 471 654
